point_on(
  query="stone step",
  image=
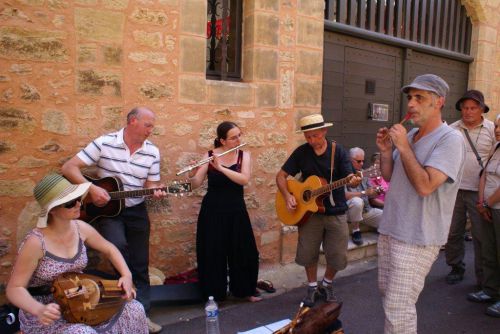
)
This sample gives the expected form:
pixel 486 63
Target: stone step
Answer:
pixel 355 253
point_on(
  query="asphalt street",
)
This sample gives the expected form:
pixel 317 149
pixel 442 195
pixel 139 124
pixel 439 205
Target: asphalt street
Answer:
pixel 441 308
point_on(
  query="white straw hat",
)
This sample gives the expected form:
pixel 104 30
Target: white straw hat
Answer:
pixel 54 190
pixel 312 122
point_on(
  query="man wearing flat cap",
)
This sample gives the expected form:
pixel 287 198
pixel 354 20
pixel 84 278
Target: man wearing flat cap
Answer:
pixel 425 167
pixel 479 137
pixel 317 157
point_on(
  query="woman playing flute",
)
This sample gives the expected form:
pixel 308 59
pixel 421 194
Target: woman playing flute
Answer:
pixel 224 238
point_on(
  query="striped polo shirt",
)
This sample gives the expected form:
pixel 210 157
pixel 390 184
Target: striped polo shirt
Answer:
pixel 112 157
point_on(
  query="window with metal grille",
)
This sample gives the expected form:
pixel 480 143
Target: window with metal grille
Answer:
pixel 438 23
pixel 224 39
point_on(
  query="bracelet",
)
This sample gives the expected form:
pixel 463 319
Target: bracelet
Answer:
pixel 485 205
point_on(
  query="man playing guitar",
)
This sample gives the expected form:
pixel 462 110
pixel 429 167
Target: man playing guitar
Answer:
pixel 330 227
pixel 130 156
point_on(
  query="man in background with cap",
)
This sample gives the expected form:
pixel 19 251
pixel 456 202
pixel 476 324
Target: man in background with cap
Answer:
pixel 130 156
pixel 479 137
pixel 328 228
pixel 425 171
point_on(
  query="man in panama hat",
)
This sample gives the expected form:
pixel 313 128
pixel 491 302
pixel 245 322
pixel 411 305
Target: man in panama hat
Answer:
pixel 329 228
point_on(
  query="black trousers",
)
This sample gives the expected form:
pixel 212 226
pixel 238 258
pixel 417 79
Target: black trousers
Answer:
pixel 129 232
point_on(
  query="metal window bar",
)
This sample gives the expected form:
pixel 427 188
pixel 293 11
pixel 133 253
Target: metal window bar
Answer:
pixel 439 24
pixel 224 39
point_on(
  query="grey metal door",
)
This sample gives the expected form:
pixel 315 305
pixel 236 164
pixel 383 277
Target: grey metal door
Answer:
pixel 357 73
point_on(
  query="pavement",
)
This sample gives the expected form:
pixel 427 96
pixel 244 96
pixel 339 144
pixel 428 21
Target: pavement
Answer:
pixel 442 308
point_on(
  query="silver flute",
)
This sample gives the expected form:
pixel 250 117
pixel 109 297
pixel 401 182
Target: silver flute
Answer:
pixel 207 160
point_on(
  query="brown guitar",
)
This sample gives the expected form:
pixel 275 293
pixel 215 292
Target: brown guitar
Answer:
pixel 310 194
pixel 87 299
pixel 114 186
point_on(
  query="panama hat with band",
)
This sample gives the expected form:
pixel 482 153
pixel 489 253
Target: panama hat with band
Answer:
pixel 312 122
pixel 54 190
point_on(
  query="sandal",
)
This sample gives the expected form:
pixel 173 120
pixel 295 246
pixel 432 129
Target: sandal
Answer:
pixel 266 285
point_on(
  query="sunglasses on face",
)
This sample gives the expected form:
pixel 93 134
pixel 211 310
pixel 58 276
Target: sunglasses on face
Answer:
pixel 72 203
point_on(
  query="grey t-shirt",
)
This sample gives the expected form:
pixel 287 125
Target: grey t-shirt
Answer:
pixel 414 219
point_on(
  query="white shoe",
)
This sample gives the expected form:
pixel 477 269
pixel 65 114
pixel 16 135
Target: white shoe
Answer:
pixel 153 327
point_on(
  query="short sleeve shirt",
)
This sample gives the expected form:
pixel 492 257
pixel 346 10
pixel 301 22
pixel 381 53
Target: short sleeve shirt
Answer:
pixel 112 157
pixel 483 138
pixel 305 161
pixel 419 220
pixel 364 185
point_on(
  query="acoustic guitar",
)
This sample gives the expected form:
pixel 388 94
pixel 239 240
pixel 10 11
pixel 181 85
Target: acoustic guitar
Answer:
pixel 87 299
pixel 114 186
pixel 310 194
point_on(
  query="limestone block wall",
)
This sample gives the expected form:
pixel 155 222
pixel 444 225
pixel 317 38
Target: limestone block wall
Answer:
pixel 484 72
pixel 71 70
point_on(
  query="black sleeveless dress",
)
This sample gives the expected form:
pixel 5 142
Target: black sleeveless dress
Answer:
pixel 225 244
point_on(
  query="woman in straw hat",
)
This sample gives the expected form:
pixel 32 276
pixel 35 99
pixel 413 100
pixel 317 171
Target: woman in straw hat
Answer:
pixel 58 245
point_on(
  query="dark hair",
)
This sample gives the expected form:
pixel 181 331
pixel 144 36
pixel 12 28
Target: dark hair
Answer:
pixel 222 130
pixel 375 156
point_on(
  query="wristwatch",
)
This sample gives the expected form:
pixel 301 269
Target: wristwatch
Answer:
pixel 363 192
pixel 485 205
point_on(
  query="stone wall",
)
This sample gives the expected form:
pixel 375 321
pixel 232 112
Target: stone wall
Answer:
pixel 71 70
pixel 484 72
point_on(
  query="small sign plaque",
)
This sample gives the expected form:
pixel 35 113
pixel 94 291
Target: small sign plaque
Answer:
pixel 378 112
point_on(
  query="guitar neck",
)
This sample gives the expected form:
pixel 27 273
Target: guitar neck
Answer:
pixel 331 186
pixel 135 193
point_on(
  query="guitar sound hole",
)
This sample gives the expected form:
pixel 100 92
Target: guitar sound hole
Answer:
pixel 306 196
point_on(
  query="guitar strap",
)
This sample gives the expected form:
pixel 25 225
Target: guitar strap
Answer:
pixel 332 166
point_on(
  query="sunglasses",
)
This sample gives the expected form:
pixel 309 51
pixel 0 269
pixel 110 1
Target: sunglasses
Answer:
pixel 72 203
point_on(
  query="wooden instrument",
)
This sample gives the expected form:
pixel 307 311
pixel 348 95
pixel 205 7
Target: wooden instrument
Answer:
pixel 207 160
pixel 403 121
pixel 314 320
pixel 310 194
pixel 86 298
pixel 114 186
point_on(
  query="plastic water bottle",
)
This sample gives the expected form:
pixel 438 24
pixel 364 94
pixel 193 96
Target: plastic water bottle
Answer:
pixel 212 312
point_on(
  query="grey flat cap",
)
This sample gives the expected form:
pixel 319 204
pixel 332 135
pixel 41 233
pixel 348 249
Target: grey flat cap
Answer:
pixel 429 82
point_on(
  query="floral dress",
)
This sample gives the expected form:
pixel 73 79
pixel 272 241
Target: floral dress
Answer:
pixel 130 319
